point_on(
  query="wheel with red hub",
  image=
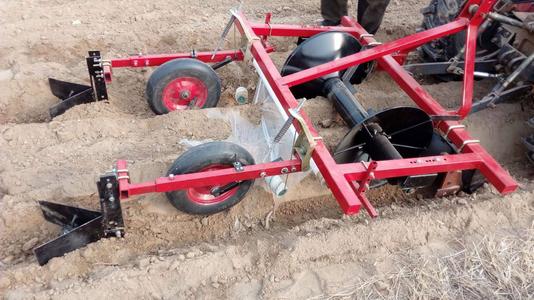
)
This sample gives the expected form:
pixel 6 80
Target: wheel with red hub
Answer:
pixel 183 84
pixel 210 199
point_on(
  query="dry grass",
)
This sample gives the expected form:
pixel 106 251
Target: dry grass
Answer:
pixel 489 268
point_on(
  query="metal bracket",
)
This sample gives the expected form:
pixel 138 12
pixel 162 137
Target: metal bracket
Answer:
pixel 108 191
pixel 363 185
pixel 305 143
pixel 369 175
pixel 366 35
pixel 451 128
pixel 238 166
pixel 96 74
pixel 467 142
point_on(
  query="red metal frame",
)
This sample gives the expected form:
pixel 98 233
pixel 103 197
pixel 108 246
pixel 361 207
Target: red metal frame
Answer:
pixel 348 182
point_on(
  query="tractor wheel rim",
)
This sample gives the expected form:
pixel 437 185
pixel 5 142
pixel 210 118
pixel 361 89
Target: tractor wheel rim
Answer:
pixel 185 93
pixel 203 196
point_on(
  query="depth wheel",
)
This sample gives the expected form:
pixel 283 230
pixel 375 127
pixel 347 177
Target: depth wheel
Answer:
pixel 208 157
pixel 182 84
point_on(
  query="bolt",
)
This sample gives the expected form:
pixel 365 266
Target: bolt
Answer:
pixel 118 233
pixel 109 185
pixel 111 198
pixel 185 94
pixel 293 169
pixel 473 9
pixel 285 170
pixel 263 174
pixel 171 176
pixel 372 175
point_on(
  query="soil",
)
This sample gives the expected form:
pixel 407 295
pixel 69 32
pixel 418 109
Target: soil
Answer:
pixel 299 246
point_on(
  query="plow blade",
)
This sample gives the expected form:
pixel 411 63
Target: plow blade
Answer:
pixel 70 94
pixel 82 226
pixel 79 228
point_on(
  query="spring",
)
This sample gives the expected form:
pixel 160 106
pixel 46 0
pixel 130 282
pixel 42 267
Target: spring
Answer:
pixel 511 58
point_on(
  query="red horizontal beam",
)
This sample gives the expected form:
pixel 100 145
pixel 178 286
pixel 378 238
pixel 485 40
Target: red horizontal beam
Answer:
pixel 141 61
pixel 405 81
pixel 402 44
pixel 262 29
pixel 207 178
pixel 414 166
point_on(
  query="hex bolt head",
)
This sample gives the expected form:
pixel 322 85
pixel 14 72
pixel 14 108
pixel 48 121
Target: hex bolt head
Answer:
pixel 109 185
pixel 185 94
pixel 111 199
pixel 263 174
pixel 473 9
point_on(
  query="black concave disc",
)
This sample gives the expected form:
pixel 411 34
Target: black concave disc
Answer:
pixel 319 49
pixel 409 130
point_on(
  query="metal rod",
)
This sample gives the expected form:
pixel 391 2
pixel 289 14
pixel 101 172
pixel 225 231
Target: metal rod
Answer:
pixel 523 66
pixel 507 20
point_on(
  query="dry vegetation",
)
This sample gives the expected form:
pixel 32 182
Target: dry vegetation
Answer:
pixel 489 267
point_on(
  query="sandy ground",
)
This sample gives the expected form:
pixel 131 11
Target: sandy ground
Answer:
pixel 476 246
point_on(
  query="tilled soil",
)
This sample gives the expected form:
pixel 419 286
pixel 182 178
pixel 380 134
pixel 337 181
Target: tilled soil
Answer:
pixel 300 246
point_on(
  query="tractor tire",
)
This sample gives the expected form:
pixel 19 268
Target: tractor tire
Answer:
pixel 437 13
pixel 207 157
pixel 441 12
pixel 182 84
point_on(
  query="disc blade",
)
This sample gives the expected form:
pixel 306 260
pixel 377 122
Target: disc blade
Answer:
pixel 407 126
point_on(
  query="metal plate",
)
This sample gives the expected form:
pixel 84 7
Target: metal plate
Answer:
pixel 65 89
pixel 80 227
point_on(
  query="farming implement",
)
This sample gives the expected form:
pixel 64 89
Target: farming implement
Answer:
pixel 413 147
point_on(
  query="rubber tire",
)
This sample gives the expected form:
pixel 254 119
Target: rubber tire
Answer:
pixel 437 13
pixel 182 67
pixel 441 12
pixel 199 157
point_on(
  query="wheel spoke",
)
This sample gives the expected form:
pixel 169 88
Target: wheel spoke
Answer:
pixel 408 147
pixel 409 128
pixel 350 148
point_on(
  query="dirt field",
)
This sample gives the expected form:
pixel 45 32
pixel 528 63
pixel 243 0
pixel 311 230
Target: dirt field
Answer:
pixel 476 246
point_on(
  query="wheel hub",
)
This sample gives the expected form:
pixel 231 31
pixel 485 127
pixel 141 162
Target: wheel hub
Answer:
pixel 208 195
pixel 184 93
